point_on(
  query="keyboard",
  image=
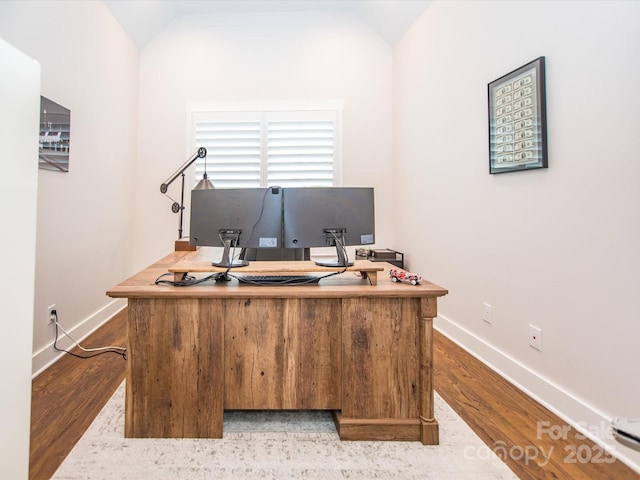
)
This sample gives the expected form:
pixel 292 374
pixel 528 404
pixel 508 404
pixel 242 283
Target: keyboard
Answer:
pixel 278 279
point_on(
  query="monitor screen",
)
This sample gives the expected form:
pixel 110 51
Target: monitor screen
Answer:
pixel 328 216
pixel 236 217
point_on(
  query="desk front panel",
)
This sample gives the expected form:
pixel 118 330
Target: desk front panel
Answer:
pixel 282 353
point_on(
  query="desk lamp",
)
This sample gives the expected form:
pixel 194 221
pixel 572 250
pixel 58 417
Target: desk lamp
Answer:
pixel 204 184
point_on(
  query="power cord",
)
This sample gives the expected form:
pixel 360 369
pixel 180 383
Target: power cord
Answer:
pixel 188 280
pixel 93 352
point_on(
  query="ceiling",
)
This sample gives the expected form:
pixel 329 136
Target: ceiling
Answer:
pixel 143 19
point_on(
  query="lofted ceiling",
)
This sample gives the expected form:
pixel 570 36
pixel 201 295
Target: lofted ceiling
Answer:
pixel 143 19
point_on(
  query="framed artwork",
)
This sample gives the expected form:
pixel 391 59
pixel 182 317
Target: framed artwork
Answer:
pixel 55 126
pixel 518 120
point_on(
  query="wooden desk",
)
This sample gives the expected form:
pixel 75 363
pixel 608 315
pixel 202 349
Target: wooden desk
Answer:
pixel 362 351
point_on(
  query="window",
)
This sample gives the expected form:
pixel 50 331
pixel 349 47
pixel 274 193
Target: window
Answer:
pixel 295 148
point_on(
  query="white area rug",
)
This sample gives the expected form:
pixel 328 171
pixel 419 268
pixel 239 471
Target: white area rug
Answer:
pixel 277 445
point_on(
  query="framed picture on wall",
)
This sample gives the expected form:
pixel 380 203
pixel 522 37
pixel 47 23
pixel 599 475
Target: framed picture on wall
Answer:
pixel 55 126
pixel 518 120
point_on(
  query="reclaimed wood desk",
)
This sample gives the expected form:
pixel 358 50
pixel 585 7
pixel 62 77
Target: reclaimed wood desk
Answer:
pixel 362 351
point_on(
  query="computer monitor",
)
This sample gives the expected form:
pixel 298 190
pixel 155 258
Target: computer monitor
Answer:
pixel 236 218
pixel 328 216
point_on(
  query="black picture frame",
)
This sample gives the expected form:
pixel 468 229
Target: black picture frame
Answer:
pixel 55 133
pixel 518 120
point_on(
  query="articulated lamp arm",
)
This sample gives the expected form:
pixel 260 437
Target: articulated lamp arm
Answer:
pixel 201 153
pixel 179 207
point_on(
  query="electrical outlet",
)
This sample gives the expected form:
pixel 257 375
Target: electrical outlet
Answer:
pixel 535 337
pixel 51 314
pixel 486 312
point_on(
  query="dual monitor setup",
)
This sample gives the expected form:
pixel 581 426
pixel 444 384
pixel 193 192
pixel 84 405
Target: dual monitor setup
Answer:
pixel 278 223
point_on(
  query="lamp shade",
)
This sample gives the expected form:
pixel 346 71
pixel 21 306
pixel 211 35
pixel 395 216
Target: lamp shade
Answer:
pixel 204 184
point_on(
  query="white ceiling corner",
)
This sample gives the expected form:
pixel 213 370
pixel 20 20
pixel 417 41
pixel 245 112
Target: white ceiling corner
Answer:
pixel 391 18
pixel 143 19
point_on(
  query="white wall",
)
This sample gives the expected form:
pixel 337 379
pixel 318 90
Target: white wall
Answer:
pixel 556 248
pixel 90 66
pixel 20 100
pixel 273 57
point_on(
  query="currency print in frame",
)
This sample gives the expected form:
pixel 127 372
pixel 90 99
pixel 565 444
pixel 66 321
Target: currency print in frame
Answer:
pixel 518 120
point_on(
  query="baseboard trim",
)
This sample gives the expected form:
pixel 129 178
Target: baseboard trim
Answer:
pixel 47 356
pixel 583 417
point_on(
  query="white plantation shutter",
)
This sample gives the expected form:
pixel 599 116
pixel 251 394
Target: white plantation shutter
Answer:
pixel 300 152
pixel 259 149
pixel 233 144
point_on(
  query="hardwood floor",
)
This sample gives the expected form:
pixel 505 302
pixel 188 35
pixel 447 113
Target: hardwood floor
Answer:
pixel 520 430
pixel 67 397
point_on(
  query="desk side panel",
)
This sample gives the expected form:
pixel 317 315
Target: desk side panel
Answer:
pixel 381 364
pixel 381 370
pixel 175 374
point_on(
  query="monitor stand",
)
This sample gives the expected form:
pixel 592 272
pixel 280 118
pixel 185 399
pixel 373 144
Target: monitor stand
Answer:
pixel 342 260
pixel 229 239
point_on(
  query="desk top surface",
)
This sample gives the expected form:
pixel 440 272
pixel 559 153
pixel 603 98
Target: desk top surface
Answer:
pixel 347 284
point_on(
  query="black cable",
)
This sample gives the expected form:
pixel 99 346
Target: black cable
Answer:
pixel 264 199
pixel 186 282
pixel 341 251
pixel 232 254
pixel 123 353
pixel 227 276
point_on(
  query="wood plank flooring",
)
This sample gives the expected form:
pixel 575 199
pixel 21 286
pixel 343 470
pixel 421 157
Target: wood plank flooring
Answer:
pixel 508 421
pixel 68 395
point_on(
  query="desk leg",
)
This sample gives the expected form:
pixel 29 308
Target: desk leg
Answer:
pixel 429 430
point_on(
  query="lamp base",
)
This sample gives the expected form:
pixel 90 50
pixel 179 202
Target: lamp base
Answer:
pixel 184 246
